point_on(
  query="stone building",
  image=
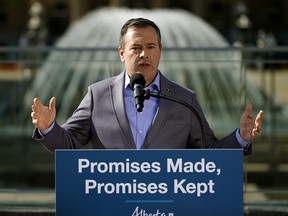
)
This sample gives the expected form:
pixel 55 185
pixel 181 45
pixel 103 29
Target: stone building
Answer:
pixel 235 20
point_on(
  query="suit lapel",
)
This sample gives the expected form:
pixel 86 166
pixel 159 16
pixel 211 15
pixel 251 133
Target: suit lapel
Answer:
pixel 162 112
pixel 116 89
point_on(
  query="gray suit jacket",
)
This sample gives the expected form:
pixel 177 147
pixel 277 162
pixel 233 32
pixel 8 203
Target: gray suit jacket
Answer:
pixel 101 119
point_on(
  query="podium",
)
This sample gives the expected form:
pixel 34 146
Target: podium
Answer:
pixel 149 182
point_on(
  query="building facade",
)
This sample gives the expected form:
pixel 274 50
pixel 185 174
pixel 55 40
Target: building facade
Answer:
pixel 235 20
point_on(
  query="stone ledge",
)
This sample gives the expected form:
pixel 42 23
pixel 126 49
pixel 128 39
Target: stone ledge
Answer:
pixel 42 203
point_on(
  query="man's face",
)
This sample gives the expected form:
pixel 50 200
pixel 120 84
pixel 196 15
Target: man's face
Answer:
pixel 141 52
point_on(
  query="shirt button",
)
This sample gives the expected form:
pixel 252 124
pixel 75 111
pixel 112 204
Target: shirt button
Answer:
pixel 140 131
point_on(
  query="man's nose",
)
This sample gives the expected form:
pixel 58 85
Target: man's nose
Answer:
pixel 143 53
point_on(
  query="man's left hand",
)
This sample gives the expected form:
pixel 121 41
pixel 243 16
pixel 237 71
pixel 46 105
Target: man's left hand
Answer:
pixel 250 127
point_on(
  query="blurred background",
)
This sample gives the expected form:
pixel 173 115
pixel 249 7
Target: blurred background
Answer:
pixel 230 52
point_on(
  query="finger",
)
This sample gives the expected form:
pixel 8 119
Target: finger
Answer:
pixel 258 125
pixel 38 103
pixel 52 104
pixel 34 108
pixel 258 122
pixel 259 117
pixel 255 133
pixel 35 122
pixel 248 111
pixel 34 115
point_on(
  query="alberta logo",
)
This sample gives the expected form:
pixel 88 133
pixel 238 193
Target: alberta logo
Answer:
pixel 142 212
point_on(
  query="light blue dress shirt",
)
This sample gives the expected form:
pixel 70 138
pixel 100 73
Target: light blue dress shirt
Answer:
pixel 141 123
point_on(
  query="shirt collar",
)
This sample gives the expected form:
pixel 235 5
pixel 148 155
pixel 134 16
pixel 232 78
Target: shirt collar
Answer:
pixel 154 86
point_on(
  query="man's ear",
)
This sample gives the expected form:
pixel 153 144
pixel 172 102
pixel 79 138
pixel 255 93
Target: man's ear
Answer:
pixel 121 54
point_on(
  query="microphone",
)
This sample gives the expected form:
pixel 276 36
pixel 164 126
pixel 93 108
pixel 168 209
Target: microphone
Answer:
pixel 137 83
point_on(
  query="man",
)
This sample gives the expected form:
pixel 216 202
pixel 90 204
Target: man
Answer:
pixel 107 116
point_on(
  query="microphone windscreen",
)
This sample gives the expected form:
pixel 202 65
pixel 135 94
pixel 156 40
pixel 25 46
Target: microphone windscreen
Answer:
pixel 137 78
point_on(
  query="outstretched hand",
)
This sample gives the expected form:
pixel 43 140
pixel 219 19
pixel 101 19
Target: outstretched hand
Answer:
pixel 250 127
pixel 43 116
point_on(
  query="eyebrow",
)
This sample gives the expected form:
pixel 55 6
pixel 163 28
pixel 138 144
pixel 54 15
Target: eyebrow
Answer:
pixel 149 44
pixel 136 44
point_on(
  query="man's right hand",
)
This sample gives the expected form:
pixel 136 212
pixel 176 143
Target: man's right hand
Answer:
pixel 43 116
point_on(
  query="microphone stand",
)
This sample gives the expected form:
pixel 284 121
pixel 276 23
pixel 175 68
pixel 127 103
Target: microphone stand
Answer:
pixel 148 94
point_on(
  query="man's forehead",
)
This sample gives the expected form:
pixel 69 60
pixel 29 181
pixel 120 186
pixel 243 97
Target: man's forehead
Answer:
pixel 137 34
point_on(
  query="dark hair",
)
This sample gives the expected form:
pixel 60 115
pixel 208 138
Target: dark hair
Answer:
pixel 138 22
